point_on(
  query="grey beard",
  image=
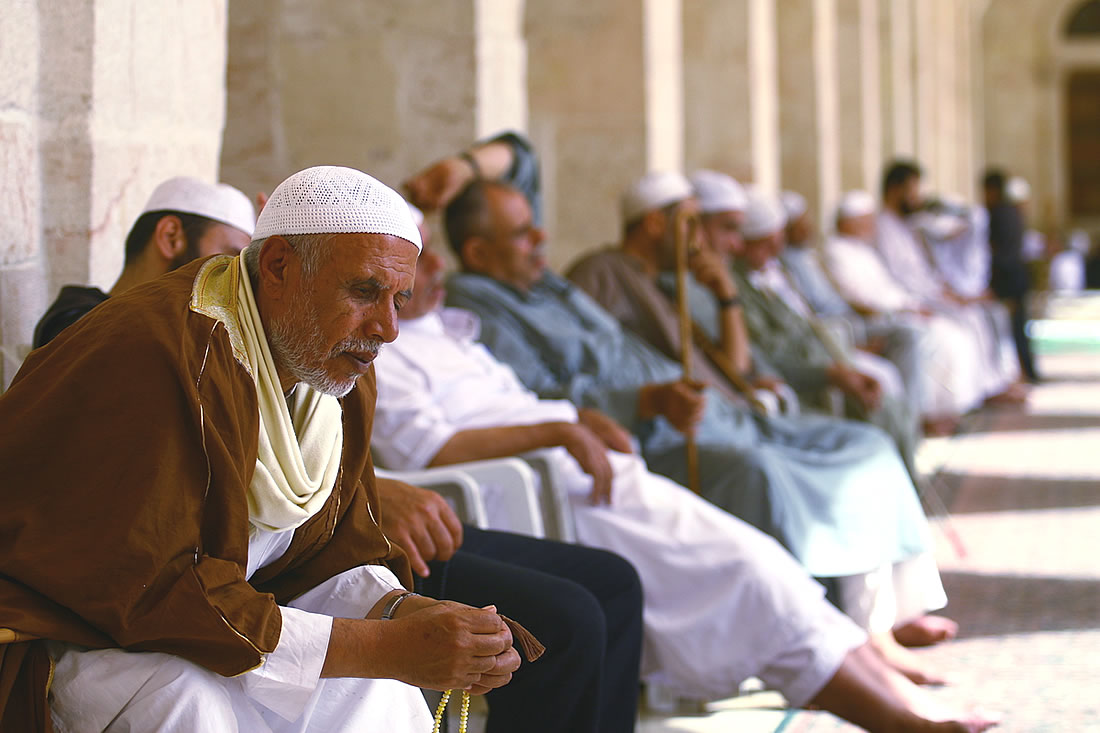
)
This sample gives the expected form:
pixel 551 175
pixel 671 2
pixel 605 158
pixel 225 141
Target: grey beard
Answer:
pixel 299 350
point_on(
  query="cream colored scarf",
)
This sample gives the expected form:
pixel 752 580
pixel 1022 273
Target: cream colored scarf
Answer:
pixel 301 441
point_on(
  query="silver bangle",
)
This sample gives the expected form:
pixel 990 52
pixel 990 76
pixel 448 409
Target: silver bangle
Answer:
pixel 395 603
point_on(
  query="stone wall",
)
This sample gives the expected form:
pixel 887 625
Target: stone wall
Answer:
pixel 1023 78
pixel 377 85
pixel 98 103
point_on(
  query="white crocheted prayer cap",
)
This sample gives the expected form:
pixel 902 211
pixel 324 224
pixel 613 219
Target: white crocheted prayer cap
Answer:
pixel 652 191
pixel 220 202
pixel 331 199
pixel 718 192
pixel 1017 190
pixel 855 203
pixel 417 214
pixel 794 204
pixel 763 216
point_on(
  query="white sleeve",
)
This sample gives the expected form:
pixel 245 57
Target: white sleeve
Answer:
pixel 286 679
pixel 409 426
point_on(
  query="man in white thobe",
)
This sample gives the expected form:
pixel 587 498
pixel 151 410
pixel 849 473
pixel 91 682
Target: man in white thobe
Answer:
pixel 906 259
pixel 953 383
pixel 722 600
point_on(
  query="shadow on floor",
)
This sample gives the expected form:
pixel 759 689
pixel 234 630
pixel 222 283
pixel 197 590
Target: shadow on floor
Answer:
pixel 996 605
pixel 1015 421
pixel 971 494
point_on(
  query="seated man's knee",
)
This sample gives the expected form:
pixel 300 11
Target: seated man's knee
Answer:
pixel 103 689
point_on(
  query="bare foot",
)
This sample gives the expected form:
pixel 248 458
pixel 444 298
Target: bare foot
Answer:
pixel 939 427
pixel 1016 394
pixel 926 631
pixel 905 661
pixel 970 721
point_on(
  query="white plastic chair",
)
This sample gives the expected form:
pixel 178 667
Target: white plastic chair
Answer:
pixel 461 484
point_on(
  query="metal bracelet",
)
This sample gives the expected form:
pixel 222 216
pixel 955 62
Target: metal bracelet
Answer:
pixel 395 603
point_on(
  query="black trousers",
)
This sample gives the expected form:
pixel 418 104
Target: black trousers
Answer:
pixel 584 605
pixel 1018 309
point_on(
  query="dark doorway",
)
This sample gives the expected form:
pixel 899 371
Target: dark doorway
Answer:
pixel 1083 117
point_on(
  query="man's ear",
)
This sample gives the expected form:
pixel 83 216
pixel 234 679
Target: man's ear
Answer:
pixel 474 255
pixel 654 223
pixel 168 238
pixel 278 264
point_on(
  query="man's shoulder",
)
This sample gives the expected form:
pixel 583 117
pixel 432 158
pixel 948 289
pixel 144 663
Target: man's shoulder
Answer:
pixel 607 256
pixel 72 303
pixel 147 325
pixel 474 287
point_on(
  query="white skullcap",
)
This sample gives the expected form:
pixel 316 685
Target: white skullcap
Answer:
pixel 331 199
pixel 763 216
pixel 1017 190
pixel 718 192
pixel 417 214
pixel 855 203
pixel 653 191
pixel 220 202
pixel 794 204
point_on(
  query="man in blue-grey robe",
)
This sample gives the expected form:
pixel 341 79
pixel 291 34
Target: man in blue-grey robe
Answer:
pixel 838 498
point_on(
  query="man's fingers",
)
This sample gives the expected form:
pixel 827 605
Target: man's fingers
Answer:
pixel 442 540
pixel 424 543
pixel 485 622
pixel 415 560
pixel 489 645
pixel 452 523
pixel 601 490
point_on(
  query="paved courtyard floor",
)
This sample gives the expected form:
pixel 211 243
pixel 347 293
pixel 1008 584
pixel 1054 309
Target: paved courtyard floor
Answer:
pixel 1023 488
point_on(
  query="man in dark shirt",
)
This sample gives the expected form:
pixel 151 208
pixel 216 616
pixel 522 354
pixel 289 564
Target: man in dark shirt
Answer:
pixel 1008 275
pixel 183 220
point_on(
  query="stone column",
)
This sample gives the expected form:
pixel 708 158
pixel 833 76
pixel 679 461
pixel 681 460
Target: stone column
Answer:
pixel 23 287
pixel 102 102
pixel 859 90
pixel 605 90
pixel 381 86
pixel 809 152
pixel 731 89
pixel 896 44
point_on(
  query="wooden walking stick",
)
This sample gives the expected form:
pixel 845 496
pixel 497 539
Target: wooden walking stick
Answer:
pixel 685 224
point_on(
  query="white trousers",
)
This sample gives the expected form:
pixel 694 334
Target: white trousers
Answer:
pixel 893 595
pixel 723 601
pixel 125 692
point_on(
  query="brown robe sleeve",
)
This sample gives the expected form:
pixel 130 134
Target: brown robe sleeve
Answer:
pixel 125 519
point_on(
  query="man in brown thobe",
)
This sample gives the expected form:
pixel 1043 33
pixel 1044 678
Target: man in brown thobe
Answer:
pixel 188 476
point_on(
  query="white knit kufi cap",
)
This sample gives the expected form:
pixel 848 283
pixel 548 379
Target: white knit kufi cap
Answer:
pixel 220 202
pixel 417 214
pixel 331 199
pixel 794 204
pixel 1017 190
pixel 653 191
pixel 763 216
pixel 855 203
pixel 718 192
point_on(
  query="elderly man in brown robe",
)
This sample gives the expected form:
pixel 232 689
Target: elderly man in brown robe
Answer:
pixel 191 521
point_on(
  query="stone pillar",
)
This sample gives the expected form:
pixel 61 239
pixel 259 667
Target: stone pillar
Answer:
pixel 605 90
pixel 102 102
pixel 731 89
pixel 809 152
pixel 898 103
pixel 859 91
pixel 22 280
pixel 381 86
